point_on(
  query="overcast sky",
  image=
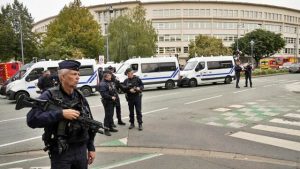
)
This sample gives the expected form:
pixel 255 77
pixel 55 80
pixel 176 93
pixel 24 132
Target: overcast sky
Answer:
pixel 41 9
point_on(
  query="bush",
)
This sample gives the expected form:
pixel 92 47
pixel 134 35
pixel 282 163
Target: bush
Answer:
pixel 258 72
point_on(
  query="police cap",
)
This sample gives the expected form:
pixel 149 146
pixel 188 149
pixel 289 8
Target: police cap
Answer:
pixel 69 64
pixel 110 68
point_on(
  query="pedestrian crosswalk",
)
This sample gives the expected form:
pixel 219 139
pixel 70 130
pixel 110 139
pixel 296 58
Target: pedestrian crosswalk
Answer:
pixel 275 132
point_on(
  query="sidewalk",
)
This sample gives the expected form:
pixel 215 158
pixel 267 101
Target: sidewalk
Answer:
pixel 294 87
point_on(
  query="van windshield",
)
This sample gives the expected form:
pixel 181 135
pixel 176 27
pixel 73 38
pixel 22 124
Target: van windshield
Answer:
pixel 123 68
pixel 190 65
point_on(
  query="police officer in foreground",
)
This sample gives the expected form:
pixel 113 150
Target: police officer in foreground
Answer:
pixel 237 70
pixel 109 98
pixel 133 87
pixel 71 146
pixel 118 87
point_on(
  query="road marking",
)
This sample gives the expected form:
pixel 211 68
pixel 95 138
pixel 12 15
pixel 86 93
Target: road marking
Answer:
pixel 20 141
pixel 47 167
pixel 277 130
pixel 19 118
pixel 243 90
pixel 160 95
pixel 96 106
pixel 21 161
pixel 283 121
pixel 237 106
pixel 269 85
pixel 222 109
pixel 129 161
pixel 203 99
pixel 149 112
pixel 292 115
pixel 292 145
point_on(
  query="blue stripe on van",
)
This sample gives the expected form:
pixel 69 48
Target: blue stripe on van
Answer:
pixel 217 73
pixel 163 77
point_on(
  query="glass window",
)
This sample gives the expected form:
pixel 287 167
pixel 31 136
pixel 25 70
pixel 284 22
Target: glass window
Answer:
pixel 185 12
pixel 134 67
pixel 35 74
pixel 161 50
pixel 186 49
pixel 168 66
pixel 178 12
pixel 166 13
pixel 191 12
pixel 150 67
pixel 172 12
pixel 53 70
pixel 86 70
pixel 207 13
pixel 196 12
pixel 122 69
pixel 200 66
pixel 190 65
pixel 219 65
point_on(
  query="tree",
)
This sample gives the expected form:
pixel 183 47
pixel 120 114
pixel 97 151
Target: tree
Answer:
pixel 73 34
pixel 207 46
pixel 132 35
pixel 12 17
pixel 266 44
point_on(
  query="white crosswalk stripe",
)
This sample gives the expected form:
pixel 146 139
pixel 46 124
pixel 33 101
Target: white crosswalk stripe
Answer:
pixel 277 130
pixel 292 145
pixel 292 115
pixel 284 121
pixel 281 127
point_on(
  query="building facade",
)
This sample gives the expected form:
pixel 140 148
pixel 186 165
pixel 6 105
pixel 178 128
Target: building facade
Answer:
pixel 178 22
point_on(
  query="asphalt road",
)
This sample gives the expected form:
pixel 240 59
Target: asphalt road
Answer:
pixel 209 127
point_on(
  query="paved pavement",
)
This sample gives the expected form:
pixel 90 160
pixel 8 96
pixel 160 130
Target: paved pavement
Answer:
pixel 210 126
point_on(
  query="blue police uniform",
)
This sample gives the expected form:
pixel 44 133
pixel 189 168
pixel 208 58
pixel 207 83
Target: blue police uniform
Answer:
pixel 248 75
pixel 237 70
pixel 107 91
pixel 78 139
pixel 134 99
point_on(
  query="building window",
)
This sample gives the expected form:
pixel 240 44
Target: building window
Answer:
pixel 185 49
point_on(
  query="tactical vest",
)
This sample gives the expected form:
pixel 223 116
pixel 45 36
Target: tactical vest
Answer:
pixel 71 132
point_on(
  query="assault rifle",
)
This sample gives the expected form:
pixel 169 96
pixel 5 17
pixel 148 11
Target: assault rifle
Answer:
pixel 25 101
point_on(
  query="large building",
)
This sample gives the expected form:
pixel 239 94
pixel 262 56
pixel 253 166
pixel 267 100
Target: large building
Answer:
pixel 178 22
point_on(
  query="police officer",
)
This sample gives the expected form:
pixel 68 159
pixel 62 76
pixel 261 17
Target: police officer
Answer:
pixel 237 70
pixel 70 146
pixel 248 74
pixel 109 97
pixel 133 87
pixel 45 81
pixel 118 87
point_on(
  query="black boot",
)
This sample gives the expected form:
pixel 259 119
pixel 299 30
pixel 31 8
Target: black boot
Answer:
pixel 131 126
pixel 113 130
pixel 140 127
pixel 106 132
pixel 120 122
pixel 113 125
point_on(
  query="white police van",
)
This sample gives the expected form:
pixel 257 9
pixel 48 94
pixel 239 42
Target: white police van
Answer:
pixel 27 85
pixel 213 69
pixel 157 71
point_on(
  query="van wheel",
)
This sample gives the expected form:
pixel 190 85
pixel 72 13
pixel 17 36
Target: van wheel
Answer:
pixel 86 91
pixel 228 80
pixel 170 84
pixel 193 83
pixel 19 94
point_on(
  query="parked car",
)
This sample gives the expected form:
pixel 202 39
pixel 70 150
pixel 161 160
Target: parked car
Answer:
pixel 286 65
pixel 294 68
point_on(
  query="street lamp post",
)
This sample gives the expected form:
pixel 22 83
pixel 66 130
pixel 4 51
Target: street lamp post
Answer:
pixel 110 11
pixel 21 39
pixel 237 41
pixel 252 45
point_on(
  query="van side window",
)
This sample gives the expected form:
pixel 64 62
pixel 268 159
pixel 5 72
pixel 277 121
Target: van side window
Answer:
pixel 134 67
pixel 200 66
pixel 167 66
pixel 219 64
pixel 86 70
pixel 53 70
pixel 150 67
pixel 35 74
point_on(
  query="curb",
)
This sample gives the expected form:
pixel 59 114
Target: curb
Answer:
pixel 275 74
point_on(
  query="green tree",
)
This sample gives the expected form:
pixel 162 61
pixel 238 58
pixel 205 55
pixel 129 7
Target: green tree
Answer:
pixel 266 44
pixel 207 46
pixel 132 35
pixel 73 34
pixel 14 17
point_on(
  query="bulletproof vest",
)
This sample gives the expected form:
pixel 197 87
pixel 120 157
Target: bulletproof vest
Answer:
pixel 71 131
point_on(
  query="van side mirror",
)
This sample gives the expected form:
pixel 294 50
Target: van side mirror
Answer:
pixel 197 69
pixel 27 79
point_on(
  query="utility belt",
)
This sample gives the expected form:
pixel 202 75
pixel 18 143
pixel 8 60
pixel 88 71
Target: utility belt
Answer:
pixel 132 96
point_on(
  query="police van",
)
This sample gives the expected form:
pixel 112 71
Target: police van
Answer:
pixel 213 69
pixel 27 85
pixel 156 71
